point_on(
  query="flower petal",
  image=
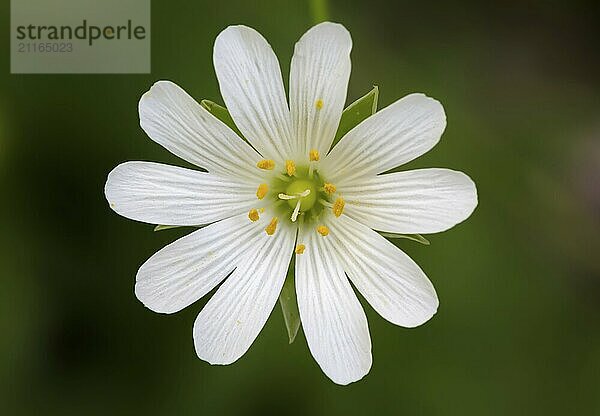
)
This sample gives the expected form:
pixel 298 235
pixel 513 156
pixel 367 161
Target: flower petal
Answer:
pixel 388 279
pixel 319 77
pixel 175 120
pixel 252 88
pixel 391 137
pixel 187 269
pixel 233 317
pixel 333 319
pixel 415 201
pixel 163 194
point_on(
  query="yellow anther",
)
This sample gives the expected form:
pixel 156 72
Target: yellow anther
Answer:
pixel 319 104
pixel 313 155
pixel 262 190
pixel 323 230
pixel 261 210
pixel 253 215
pixel 338 207
pixel 266 164
pixel 270 229
pixel 290 167
pixel 329 188
pixel 300 248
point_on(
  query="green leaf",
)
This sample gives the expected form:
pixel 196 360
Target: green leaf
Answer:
pixel 414 237
pixel 357 112
pixel 289 306
pixel 222 114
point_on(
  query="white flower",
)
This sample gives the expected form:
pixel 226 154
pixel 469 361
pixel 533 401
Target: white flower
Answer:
pixel 286 193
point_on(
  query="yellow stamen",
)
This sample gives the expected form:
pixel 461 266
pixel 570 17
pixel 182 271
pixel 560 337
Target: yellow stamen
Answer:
pixel 338 207
pixel 266 164
pixel 253 215
pixel 261 210
pixel 329 188
pixel 319 104
pixel 290 167
pixel 272 226
pixel 313 155
pixel 323 230
pixel 262 190
pixel 300 248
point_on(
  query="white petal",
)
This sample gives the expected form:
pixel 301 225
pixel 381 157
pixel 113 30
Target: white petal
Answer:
pixel 163 194
pixel 176 121
pixel 252 88
pixel 318 84
pixel 388 279
pixel 415 201
pixel 232 319
pixel 187 269
pixel 391 137
pixel 333 319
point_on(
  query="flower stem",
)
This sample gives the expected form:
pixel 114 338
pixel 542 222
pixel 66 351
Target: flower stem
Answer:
pixel 319 10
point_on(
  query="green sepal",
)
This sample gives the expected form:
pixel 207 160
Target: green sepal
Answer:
pixel 165 227
pixel 170 227
pixel 356 112
pixel 414 237
pixel 222 114
pixel 289 305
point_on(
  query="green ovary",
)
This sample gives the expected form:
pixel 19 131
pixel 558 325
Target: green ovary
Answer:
pixel 298 186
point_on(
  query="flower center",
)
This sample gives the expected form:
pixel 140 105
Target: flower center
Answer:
pixel 302 193
pixel 299 188
pixel 298 193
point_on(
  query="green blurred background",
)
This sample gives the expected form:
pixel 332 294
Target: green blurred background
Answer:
pixel 517 331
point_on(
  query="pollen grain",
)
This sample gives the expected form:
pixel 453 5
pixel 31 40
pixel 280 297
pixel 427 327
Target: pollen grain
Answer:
pixel 313 155
pixel 266 164
pixel 253 215
pixel 290 167
pixel 262 190
pixel 338 207
pixel 270 229
pixel 329 188
pixel 323 230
